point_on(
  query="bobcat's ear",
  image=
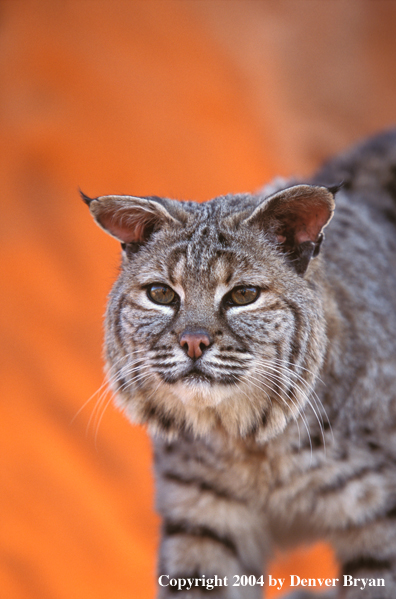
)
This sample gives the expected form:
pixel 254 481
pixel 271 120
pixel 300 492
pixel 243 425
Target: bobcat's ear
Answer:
pixel 295 218
pixel 129 219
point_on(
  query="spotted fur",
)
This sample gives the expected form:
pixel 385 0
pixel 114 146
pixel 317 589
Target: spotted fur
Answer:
pixel 282 430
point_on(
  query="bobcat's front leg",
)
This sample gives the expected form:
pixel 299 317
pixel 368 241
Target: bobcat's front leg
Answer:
pixel 368 560
pixel 212 535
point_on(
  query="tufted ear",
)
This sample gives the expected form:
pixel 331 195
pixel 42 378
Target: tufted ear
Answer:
pixel 295 218
pixel 129 219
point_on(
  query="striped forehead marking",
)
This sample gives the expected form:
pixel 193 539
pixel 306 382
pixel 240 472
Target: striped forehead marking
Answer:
pixel 177 268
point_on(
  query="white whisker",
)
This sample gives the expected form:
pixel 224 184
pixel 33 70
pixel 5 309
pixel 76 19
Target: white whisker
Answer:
pixel 294 416
pixel 282 376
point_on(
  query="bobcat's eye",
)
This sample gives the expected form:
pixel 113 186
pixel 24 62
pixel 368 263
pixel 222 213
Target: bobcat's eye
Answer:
pixel 161 294
pixel 241 296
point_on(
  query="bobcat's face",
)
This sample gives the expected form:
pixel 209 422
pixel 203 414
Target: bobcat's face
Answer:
pixel 210 322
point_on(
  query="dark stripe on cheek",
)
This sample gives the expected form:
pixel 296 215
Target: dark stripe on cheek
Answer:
pixel 277 305
pixel 296 341
pixel 163 355
pixel 231 358
pixel 232 367
pixel 274 377
pixel 117 326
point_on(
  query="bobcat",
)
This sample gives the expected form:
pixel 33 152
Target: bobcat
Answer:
pixel 263 361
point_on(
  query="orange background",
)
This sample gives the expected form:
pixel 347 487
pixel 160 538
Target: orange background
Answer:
pixel 183 98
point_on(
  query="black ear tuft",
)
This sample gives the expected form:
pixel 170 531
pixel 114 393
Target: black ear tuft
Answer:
pixel 335 188
pixel 85 198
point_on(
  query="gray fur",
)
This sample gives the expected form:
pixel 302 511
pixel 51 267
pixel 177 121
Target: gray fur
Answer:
pixel 285 433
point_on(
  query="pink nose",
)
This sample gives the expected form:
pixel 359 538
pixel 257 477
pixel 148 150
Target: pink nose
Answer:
pixel 195 342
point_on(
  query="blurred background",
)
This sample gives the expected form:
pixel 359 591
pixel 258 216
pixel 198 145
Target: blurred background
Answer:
pixel 183 98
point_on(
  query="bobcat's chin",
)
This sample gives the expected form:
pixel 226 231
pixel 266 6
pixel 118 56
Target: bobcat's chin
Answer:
pixel 200 392
pixel 200 408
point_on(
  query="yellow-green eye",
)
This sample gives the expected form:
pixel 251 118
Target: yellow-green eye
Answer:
pixel 161 294
pixel 241 296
